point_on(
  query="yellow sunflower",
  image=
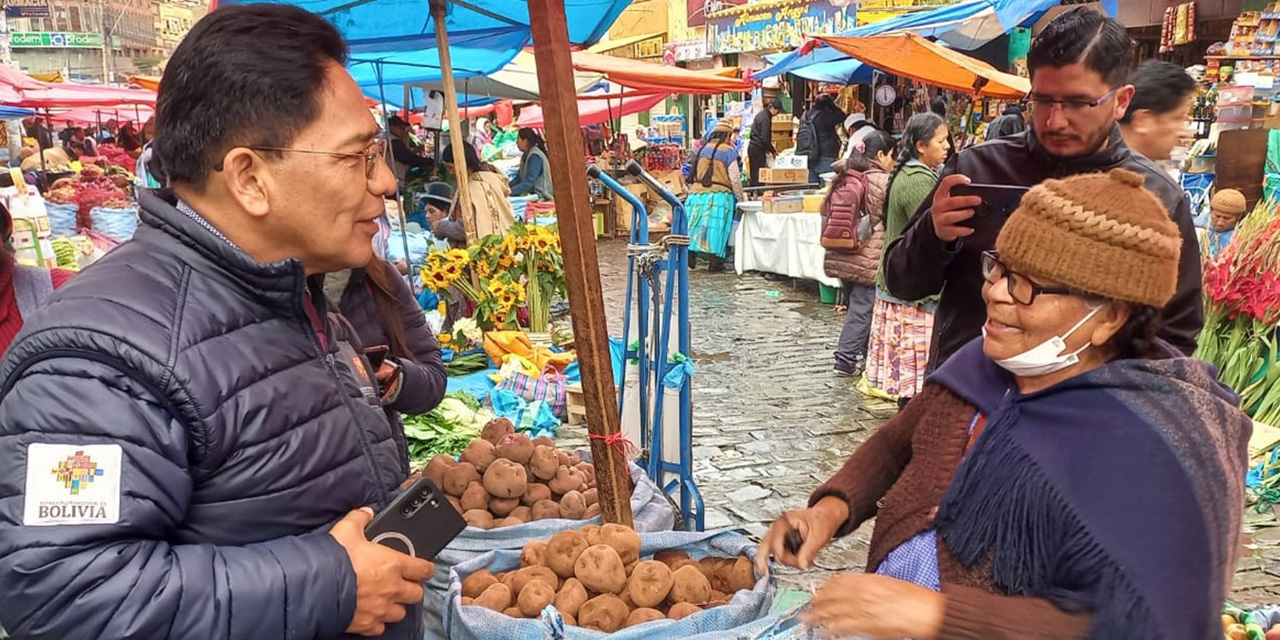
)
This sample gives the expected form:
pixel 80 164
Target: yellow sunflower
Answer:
pixel 436 280
pixel 496 288
pixel 483 269
pixel 459 257
pixel 543 243
pixel 498 318
pixel 507 300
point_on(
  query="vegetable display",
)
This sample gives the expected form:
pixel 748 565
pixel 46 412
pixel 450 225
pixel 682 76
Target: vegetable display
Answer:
pixel 595 579
pixel 446 430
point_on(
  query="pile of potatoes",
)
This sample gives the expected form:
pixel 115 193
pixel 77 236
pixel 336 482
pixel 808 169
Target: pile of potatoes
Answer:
pixel 504 479
pixel 596 580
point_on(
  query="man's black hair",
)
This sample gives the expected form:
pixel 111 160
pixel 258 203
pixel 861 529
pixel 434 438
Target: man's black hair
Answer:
pixel 1084 36
pixel 1159 87
pixel 249 75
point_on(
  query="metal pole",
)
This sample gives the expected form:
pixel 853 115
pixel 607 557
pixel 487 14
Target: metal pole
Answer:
pixel 404 217
pixel 438 14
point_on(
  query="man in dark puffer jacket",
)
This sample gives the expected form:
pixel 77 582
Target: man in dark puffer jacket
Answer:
pixel 183 425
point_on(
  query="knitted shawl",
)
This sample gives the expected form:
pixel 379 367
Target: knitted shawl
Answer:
pixel 1118 491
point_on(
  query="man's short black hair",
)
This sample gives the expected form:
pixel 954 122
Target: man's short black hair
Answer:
pixel 1084 36
pixel 1160 87
pixel 249 75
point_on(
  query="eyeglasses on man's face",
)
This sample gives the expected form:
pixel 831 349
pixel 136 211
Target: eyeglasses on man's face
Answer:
pixel 373 154
pixel 1070 107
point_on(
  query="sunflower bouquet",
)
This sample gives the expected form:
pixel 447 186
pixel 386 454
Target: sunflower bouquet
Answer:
pixel 1242 311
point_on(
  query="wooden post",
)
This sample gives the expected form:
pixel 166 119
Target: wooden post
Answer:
pixel 581 265
pixel 438 15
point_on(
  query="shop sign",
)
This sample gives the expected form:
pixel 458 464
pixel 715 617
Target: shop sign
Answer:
pixel 55 40
pixel 688 50
pixel 698 10
pixel 651 48
pixel 776 25
pixel 26 9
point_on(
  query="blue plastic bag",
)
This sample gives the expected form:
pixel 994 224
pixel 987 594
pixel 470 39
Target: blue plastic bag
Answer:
pixel 477 384
pixel 677 372
pixel 536 418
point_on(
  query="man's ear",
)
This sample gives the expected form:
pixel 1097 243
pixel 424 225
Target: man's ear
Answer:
pixel 1124 96
pixel 248 180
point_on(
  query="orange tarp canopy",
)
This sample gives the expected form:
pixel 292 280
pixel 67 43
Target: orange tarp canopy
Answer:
pixel 151 83
pixel 910 55
pixel 660 78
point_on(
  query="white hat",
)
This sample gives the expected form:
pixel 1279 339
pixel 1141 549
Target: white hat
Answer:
pixel 854 118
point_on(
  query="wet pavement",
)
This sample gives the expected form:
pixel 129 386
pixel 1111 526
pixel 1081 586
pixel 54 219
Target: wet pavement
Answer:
pixel 772 422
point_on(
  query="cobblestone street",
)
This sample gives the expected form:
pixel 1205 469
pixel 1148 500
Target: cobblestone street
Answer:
pixel 771 420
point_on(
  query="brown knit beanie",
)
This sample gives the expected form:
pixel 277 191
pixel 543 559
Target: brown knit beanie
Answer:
pixel 1099 233
pixel 1229 201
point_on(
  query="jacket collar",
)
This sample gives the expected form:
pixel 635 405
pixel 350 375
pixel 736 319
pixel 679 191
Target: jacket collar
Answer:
pixel 280 283
pixel 1110 155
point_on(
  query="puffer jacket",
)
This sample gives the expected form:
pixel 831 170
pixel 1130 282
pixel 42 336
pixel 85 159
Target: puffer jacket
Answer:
pixel 192 376
pixel 861 266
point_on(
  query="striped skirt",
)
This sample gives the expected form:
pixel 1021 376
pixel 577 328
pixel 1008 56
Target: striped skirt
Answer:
pixel 710 221
pixel 899 348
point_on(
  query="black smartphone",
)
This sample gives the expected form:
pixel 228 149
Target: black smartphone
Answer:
pixel 998 201
pixel 419 522
pixel 377 355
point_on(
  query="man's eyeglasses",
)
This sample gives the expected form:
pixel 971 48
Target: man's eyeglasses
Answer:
pixel 372 155
pixel 1069 107
pixel 1022 289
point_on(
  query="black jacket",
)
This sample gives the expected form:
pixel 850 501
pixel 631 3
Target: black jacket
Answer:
pixel 762 132
pixel 826 118
pixel 918 264
pixel 194 377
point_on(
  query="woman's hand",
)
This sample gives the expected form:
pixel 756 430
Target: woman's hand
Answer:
pixel 816 526
pixel 873 606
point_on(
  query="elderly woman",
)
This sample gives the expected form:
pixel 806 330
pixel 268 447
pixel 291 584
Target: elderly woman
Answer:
pixel 1064 476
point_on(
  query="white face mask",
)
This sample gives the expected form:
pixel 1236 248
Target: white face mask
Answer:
pixel 1046 357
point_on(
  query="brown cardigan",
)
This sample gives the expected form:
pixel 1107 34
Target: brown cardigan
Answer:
pixel 899 476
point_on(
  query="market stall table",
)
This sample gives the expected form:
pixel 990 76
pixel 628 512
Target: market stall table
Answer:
pixel 782 243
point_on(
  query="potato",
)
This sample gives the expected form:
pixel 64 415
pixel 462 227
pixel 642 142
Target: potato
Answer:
pixel 497 429
pixel 515 447
pixel 570 597
pixel 562 552
pixel 455 503
pixel 508 578
pixel 545 510
pixel 742 576
pixel 592 496
pixel 718 597
pixel 600 569
pixel 479 519
pixel 563 458
pixel 687 562
pixel 479 453
pixel 476 583
pixel 574 459
pixel 503 507
pixel 591 533
pixel 544 463
pixel 624 540
pixel 631 567
pixel 513 612
pixel 458 477
pixel 682 610
pixel 625 597
pixel 669 558
pixel 436 468
pixel 566 480
pixel 522 513
pixel 642 615
pixel 475 497
pixel 505 479
pixel 534 554
pixel 507 522
pixel 497 598
pixel 689 586
pixel 604 613
pixel 573 506
pixel 711 566
pixel 535 493
pixel 466 602
pixel 569 621
pixel 650 583
pixel 544 441
pixel 535 597
pixel 528 574
pixel 588 472
pixel 592 511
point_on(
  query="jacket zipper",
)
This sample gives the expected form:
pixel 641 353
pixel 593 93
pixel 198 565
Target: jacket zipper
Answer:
pixel 366 447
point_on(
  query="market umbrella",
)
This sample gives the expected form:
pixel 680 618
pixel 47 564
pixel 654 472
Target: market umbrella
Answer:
pixel 595 108
pixel 914 57
pixel 652 77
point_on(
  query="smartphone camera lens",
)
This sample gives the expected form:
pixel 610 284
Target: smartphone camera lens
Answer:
pixel 434 503
pixel 406 512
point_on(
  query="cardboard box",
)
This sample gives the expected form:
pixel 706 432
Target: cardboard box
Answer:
pixel 784 176
pixel 623 208
pixel 674 182
pixel 791 162
pixel 813 202
pixel 784 204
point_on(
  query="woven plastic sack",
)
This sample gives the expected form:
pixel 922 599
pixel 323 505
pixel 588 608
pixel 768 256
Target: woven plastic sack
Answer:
pixel 650 511
pixel 747 615
pixel 62 219
pixel 117 224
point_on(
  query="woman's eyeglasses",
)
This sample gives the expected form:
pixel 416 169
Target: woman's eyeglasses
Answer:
pixel 372 155
pixel 1022 289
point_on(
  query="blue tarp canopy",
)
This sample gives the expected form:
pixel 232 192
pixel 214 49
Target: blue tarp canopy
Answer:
pixel 966 25
pixel 393 42
pixel 9 113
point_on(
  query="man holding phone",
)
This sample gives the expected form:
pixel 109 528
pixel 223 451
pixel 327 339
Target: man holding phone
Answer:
pixel 191 452
pixel 1078 66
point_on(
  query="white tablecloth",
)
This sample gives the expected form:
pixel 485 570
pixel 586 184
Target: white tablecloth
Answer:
pixel 783 243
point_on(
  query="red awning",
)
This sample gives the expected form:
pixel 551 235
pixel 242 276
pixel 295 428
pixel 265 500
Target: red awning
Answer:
pixel 20 90
pixel 90 116
pixel 593 109
pixel 660 78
